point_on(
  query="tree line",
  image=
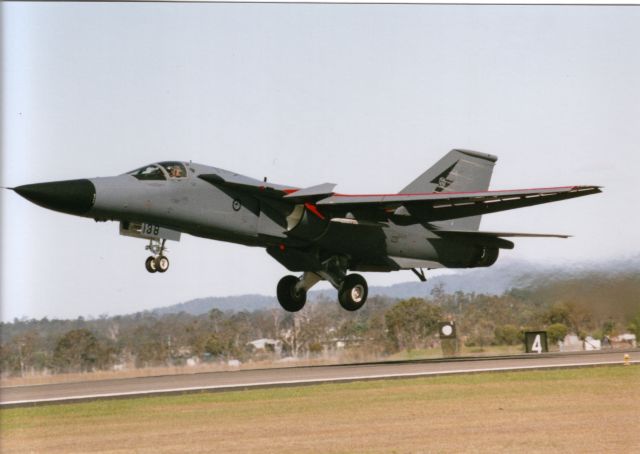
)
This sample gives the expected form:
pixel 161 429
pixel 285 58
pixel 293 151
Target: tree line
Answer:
pixel 592 305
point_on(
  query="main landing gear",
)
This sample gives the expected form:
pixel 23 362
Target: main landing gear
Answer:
pixel 353 292
pixel 157 262
pixel 291 295
pixel 352 288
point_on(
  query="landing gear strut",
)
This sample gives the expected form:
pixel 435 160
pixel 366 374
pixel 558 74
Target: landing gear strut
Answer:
pixel 157 262
pixel 352 288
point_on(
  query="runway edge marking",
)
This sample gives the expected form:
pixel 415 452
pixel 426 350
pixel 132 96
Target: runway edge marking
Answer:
pixel 286 383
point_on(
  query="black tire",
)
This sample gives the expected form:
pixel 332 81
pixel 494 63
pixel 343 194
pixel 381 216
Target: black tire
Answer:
pixel 353 292
pixel 150 264
pixel 162 264
pixel 290 299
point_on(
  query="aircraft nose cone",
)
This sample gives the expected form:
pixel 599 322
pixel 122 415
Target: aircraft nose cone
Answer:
pixel 71 196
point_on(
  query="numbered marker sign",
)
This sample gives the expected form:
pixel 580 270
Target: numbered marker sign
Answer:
pixel 536 341
pixel 447 330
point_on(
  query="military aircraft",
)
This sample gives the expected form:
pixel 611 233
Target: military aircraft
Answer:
pixel 431 223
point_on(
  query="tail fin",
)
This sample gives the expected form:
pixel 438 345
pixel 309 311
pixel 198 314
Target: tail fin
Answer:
pixel 457 171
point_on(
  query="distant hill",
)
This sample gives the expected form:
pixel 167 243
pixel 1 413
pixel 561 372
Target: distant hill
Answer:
pixel 224 303
pixel 493 280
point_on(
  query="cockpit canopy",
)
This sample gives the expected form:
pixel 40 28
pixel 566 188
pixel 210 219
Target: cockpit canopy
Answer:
pixel 160 171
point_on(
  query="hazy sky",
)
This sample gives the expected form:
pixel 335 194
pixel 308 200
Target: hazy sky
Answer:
pixel 366 96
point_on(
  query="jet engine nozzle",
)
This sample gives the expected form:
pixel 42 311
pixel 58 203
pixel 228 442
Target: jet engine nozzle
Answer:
pixel 71 196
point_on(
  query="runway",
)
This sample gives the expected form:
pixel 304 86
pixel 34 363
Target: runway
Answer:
pixel 294 376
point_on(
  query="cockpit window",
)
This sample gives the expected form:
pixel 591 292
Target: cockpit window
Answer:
pixel 150 172
pixel 175 169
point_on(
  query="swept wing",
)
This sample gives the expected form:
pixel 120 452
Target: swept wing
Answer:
pixel 448 205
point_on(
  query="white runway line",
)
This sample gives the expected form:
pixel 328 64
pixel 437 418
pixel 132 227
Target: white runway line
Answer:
pixel 193 389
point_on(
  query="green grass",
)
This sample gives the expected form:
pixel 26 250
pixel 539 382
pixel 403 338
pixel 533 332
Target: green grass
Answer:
pixel 580 410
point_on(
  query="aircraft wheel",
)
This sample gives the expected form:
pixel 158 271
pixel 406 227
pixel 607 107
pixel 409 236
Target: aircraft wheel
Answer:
pixel 150 264
pixel 353 292
pixel 162 263
pixel 290 299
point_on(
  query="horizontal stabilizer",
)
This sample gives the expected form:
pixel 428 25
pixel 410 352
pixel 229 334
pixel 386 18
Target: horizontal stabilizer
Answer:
pixel 493 239
pixel 506 234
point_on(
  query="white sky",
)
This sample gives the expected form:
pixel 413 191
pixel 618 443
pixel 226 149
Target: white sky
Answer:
pixel 366 96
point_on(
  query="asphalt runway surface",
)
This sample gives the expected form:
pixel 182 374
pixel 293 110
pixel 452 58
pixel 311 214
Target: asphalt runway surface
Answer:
pixel 295 376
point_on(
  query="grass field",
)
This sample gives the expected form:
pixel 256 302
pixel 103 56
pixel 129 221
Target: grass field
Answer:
pixel 574 410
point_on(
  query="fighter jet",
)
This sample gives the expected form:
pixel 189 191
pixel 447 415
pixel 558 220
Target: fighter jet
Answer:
pixel 431 223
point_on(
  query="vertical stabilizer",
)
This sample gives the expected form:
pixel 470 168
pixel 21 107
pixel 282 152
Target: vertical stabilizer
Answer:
pixel 457 171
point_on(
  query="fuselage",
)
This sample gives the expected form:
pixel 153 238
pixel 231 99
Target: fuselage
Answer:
pixel 186 203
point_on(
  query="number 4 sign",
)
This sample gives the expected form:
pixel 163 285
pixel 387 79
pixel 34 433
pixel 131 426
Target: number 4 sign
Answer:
pixel 536 341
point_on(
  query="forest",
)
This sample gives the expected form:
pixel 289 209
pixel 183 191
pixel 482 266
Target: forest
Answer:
pixel 587 305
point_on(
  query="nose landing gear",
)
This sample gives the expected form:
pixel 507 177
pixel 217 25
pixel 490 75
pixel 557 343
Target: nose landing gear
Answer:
pixel 157 262
pixel 150 264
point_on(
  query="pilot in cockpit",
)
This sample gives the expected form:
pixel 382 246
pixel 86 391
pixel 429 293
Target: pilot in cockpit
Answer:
pixel 176 172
